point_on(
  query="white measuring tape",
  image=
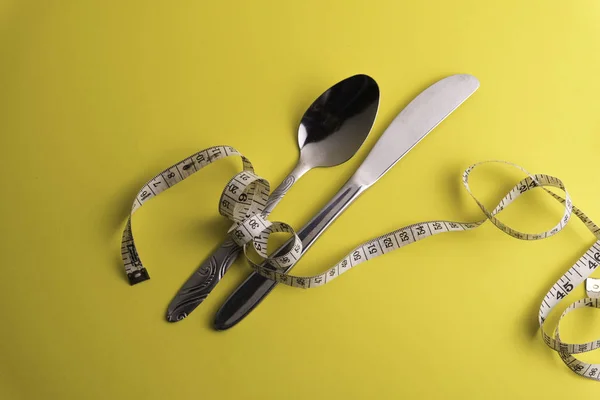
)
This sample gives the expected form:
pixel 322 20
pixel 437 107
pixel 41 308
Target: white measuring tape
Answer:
pixel 245 196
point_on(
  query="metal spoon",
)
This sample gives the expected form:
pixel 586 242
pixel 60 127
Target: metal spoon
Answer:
pixel 331 131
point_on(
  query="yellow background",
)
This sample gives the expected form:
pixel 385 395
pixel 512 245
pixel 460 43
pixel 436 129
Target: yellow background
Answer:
pixel 96 97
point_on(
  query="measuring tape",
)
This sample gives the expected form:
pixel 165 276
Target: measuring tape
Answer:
pixel 245 200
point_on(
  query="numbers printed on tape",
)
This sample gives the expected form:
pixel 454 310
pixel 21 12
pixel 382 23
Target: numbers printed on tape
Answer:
pixel 243 200
pixel 246 195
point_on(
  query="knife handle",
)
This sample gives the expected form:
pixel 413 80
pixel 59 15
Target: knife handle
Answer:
pixel 256 287
pixel 241 302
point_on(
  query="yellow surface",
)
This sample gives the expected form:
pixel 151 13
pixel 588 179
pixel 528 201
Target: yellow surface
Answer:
pixel 97 97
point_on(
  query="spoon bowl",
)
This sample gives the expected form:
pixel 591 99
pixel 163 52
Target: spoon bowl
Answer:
pixel 337 123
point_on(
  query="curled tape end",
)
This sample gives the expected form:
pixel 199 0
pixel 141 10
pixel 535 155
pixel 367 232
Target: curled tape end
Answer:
pixel 592 287
pixel 138 276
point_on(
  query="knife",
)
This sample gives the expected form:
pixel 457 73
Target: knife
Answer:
pixel 409 127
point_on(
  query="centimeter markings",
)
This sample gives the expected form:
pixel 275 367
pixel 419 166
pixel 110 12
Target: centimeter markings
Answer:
pixel 246 195
pixel 158 184
pixel 178 172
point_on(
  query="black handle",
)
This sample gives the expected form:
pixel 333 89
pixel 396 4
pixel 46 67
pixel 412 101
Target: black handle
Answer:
pixel 243 301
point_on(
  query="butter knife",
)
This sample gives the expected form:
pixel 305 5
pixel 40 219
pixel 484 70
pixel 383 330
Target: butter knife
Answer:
pixel 409 127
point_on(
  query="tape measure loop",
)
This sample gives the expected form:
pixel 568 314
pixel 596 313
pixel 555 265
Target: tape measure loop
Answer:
pixel 243 196
pixel 169 177
pixel 576 348
pixel 282 260
pixel 523 186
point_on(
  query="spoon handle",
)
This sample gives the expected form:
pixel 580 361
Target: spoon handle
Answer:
pixel 251 292
pixel 211 271
pixel 202 281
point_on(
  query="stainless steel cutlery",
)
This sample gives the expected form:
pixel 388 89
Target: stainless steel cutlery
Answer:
pixel 332 130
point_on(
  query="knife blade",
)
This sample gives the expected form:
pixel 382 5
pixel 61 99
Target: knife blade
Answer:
pixel 410 126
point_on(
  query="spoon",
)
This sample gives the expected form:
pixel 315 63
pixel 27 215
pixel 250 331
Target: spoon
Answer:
pixel 331 131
